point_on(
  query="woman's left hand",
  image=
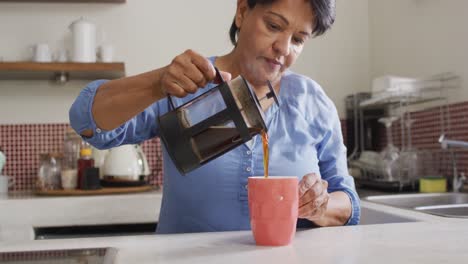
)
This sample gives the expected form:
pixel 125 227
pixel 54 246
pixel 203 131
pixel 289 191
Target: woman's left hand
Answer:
pixel 313 197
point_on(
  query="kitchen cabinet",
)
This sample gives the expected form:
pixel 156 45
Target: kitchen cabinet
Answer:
pixel 60 71
pixel 41 217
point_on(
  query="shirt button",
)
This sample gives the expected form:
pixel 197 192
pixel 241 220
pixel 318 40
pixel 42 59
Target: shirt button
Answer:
pixel 249 152
pixel 248 169
pixel 246 187
pixel 98 130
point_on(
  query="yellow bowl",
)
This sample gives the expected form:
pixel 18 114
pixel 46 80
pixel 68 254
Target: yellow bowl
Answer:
pixel 432 184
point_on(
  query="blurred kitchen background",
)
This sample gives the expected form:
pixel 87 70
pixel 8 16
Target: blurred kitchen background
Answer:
pixel 400 62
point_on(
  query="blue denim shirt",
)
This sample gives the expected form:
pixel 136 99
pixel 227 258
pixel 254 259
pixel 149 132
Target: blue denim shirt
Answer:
pixel 305 137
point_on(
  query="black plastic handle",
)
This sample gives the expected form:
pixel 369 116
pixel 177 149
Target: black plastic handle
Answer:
pixel 169 97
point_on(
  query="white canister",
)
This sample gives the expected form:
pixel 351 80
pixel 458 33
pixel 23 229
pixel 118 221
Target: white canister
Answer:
pixel 84 41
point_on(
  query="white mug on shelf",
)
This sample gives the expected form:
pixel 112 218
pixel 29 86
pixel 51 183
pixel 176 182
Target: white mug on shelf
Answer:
pixel 5 183
pixel 41 53
pixel 106 53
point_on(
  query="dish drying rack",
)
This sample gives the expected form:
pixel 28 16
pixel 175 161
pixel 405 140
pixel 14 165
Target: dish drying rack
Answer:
pixel 413 91
pixel 400 95
pixel 373 174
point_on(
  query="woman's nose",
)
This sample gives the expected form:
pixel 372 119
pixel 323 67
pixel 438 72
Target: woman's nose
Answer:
pixel 282 46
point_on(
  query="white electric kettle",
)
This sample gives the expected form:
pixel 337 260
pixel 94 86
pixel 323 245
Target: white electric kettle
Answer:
pixel 127 163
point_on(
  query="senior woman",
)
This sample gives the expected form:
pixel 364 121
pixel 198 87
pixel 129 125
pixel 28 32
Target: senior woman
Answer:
pixel 304 129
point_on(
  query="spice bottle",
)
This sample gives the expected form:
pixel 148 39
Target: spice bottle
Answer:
pixel 85 161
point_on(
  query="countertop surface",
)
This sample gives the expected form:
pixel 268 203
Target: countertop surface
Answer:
pixel 420 242
pixel 429 239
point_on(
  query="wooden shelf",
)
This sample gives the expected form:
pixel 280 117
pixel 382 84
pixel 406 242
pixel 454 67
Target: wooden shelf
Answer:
pixel 49 70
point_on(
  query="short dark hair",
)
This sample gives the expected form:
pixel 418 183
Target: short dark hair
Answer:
pixel 324 16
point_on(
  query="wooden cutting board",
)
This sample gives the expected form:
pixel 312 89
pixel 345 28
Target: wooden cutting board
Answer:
pixel 104 190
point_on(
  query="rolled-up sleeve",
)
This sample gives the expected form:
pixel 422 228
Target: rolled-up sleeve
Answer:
pixel 333 165
pixel 141 127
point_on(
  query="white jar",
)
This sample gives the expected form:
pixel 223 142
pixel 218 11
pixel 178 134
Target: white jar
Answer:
pixel 84 41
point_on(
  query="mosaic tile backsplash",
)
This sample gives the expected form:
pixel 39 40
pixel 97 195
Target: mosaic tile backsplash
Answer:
pixel 427 127
pixel 22 144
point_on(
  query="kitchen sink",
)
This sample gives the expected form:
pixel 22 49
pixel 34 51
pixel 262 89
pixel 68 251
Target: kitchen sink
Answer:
pixel 373 217
pixel 71 256
pixel 443 204
pixel 453 210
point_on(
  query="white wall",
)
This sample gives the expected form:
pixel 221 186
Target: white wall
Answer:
pixel 339 60
pixel 418 38
pixel 149 33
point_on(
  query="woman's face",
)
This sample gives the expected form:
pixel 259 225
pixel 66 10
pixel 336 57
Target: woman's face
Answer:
pixel 271 38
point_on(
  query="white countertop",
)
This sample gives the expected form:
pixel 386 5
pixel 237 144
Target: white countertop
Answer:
pixel 431 239
pixel 21 212
pixel 421 242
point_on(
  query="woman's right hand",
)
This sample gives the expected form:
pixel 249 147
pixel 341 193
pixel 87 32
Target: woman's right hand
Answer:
pixel 186 73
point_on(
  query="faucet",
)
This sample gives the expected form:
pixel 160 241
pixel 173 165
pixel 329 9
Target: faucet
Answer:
pixel 458 181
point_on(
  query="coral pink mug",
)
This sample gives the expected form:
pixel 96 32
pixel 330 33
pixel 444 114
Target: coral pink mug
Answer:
pixel 273 206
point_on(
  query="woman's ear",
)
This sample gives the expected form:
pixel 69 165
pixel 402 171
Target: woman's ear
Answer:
pixel 242 7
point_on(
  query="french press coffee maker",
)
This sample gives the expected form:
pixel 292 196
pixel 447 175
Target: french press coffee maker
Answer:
pixel 213 123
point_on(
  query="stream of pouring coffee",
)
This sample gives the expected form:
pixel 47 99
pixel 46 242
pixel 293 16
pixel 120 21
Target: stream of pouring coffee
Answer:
pixel 265 152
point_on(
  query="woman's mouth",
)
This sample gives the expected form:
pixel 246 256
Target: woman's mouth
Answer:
pixel 274 64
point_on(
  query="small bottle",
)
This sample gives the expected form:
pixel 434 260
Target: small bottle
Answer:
pixel 69 174
pixel 86 161
pixel 71 150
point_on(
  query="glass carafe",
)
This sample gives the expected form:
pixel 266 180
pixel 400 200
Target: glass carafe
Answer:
pixel 213 123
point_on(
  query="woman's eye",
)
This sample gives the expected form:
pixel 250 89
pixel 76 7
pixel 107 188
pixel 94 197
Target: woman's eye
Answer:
pixel 298 40
pixel 274 26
